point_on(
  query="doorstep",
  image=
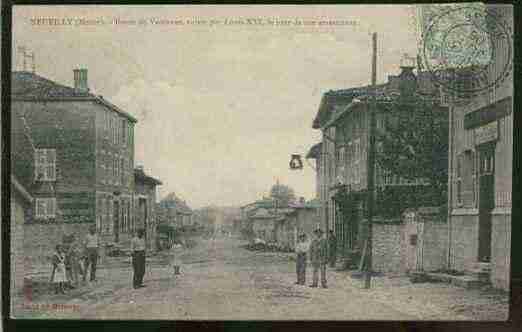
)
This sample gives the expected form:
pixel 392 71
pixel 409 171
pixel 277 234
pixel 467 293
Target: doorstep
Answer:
pixel 465 281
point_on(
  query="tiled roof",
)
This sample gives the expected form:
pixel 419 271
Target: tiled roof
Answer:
pixel 27 85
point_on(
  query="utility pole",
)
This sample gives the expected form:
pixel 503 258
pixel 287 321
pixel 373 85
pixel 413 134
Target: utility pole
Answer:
pixel 371 164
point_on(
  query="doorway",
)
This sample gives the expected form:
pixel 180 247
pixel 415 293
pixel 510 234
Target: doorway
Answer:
pixel 486 198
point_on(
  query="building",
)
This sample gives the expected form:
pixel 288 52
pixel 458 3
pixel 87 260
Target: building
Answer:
pixel 145 206
pixel 21 202
pixel 480 177
pixel 75 151
pixel 341 159
pixel 175 212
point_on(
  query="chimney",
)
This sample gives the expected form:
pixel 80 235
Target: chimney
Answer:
pixel 80 80
pixel 407 79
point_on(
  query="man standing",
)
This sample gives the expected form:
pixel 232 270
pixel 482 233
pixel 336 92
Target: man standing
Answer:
pixel 319 258
pixel 138 258
pixel 91 246
pixel 301 249
pixel 332 248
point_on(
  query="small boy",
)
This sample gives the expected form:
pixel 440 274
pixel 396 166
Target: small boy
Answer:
pixel 58 275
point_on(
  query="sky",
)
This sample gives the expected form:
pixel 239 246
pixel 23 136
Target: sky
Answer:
pixel 220 108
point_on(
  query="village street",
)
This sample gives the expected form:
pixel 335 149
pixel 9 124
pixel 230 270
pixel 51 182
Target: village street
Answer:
pixel 221 280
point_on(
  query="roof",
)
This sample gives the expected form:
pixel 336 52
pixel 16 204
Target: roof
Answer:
pixel 312 204
pixel 17 187
pixel 140 175
pixel 173 201
pixel 29 86
pixel 333 99
pixel 315 151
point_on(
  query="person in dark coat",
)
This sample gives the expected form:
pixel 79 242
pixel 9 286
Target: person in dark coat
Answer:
pixel 301 250
pixel 319 258
pixel 332 248
pixel 138 258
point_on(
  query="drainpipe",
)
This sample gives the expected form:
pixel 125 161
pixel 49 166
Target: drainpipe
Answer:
pixel 450 181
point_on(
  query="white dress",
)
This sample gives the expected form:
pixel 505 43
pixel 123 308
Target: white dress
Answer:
pixel 59 271
pixel 176 251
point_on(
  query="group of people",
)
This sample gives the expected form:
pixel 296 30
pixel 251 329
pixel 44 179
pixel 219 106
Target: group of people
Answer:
pixel 72 259
pixel 320 251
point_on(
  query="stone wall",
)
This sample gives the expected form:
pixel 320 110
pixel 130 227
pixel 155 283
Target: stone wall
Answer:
pixel 464 240
pixel 386 242
pixel 420 243
pixel 501 250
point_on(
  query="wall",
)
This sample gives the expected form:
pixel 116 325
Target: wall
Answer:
pixel 266 225
pixel 501 251
pixel 17 240
pixel 464 240
pixel 386 253
pixel 69 128
pixel 394 251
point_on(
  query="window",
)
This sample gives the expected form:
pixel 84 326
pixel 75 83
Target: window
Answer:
pixel 115 168
pixel 458 179
pixel 122 171
pixel 473 177
pixel 123 132
pixel 357 159
pixel 99 220
pixel 45 164
pixel 45 208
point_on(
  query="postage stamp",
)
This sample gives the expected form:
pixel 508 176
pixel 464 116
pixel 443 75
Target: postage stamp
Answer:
pixel 458 47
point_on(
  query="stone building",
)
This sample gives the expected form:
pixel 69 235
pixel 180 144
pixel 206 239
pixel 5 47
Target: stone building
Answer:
pixel 481 157
pixel 75 150
pixel 342 159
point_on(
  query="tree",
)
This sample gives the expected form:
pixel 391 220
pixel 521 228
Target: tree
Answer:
pixel 415 144
pixel 282 194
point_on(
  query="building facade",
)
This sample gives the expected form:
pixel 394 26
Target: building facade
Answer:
pixel 76 150
pixel 342 169
pixel 481 157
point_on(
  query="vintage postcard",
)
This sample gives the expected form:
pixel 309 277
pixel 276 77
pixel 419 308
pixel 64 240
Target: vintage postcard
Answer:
pixel 203 162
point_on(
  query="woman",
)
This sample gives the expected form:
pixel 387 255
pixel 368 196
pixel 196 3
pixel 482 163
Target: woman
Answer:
pixel 58 276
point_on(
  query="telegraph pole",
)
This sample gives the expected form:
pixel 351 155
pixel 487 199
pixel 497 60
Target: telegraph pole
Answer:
pixel 371 164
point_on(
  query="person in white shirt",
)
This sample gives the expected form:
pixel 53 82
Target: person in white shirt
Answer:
pixel 301 249
pixel 92 245
pixel 138 258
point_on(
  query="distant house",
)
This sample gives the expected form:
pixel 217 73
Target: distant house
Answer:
pixel 145 205
pixel 74 151
pixel 175 212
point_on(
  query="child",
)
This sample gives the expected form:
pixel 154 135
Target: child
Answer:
pixel 58 276
pixel 175 252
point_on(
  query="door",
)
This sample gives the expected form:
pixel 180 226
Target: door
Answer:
pixel 116 224
pixel 486 199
